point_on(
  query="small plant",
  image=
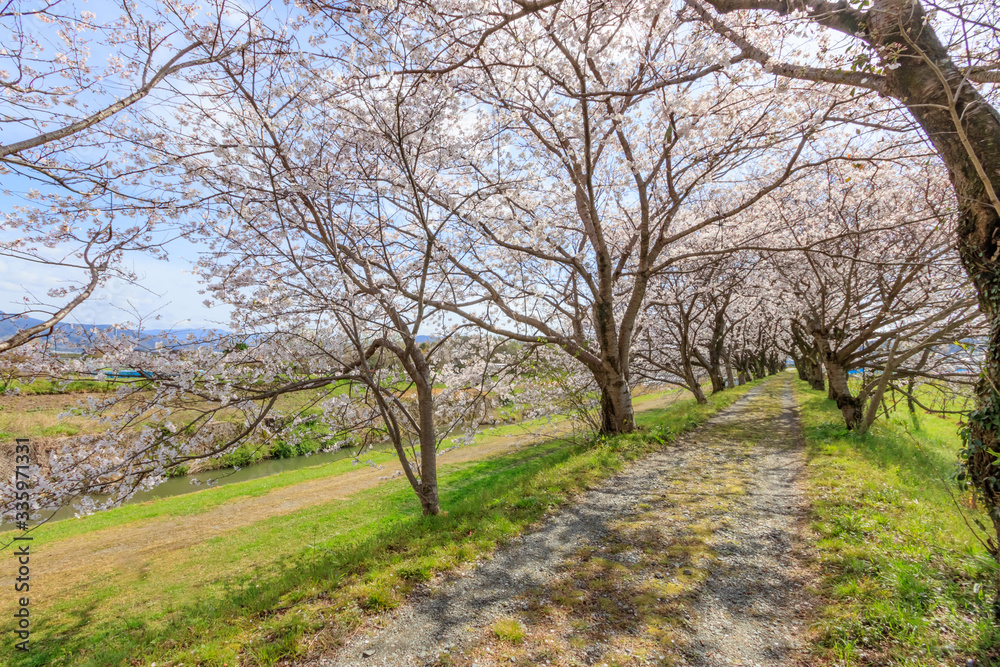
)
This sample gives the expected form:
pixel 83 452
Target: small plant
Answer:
pixel 509 630
pixel 379 598
pixel 416 572
pixel 282 450
pixel 242 456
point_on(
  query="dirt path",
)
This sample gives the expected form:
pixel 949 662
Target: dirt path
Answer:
pixel 685 558
pixel 751 608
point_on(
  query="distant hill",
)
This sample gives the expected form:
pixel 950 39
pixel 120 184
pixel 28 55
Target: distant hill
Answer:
pixel 76 335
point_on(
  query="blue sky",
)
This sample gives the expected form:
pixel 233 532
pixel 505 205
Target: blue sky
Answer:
pixel 165 288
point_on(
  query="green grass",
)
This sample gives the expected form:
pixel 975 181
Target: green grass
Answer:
pixel 508 630
pixel 40 386
pixel 281 579
pixel 904 581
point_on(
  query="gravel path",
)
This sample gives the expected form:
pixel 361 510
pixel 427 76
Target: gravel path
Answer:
pixel 751 611
pixel 685 557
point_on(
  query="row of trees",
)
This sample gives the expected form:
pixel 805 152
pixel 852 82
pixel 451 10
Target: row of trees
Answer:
pixel 649 192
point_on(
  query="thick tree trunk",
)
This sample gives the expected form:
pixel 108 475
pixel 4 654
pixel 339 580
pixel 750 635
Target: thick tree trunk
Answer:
pixel 811 372
pixel 693 385
pixel 800 367
pixel 613 373
pixel 812 360
pixel 617 415
pixel 849 405
pixel 760 367
pixel 729 372
pixel 773 365
pixel 715 353
pixel 814 375
pixel 718 383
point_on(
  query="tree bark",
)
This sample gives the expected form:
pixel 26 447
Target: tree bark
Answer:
pixel 617 415
pixel 715 352
pixel 713 366
pixel 693 385
pixel 815 376
pixel 800 367
pixel 718 382
pixel 849 405
pixel 812 369
pixel 428 488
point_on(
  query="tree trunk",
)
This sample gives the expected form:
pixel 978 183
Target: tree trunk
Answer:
pixel 428 487
pixel 718 383
pixel 812 372
pixel 837 377
pixel 777 364
pixel 729 372
pixel 815 376
pixel 617 415
pixel 760 367
pixel 693 385
pixel 850 406
pixel 800 367
pixel 812 360
pixel 715 353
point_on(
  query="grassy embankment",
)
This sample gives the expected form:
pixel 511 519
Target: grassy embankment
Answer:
pixel 904 581
pixel 252 593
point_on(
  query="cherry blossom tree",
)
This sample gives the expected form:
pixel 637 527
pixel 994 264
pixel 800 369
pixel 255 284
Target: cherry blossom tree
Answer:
pixel 939 61
pixel 879 287
pixel 601 137
pixel 688 317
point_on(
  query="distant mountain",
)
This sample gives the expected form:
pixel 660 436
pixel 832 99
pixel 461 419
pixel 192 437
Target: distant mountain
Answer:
pixel 76 335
